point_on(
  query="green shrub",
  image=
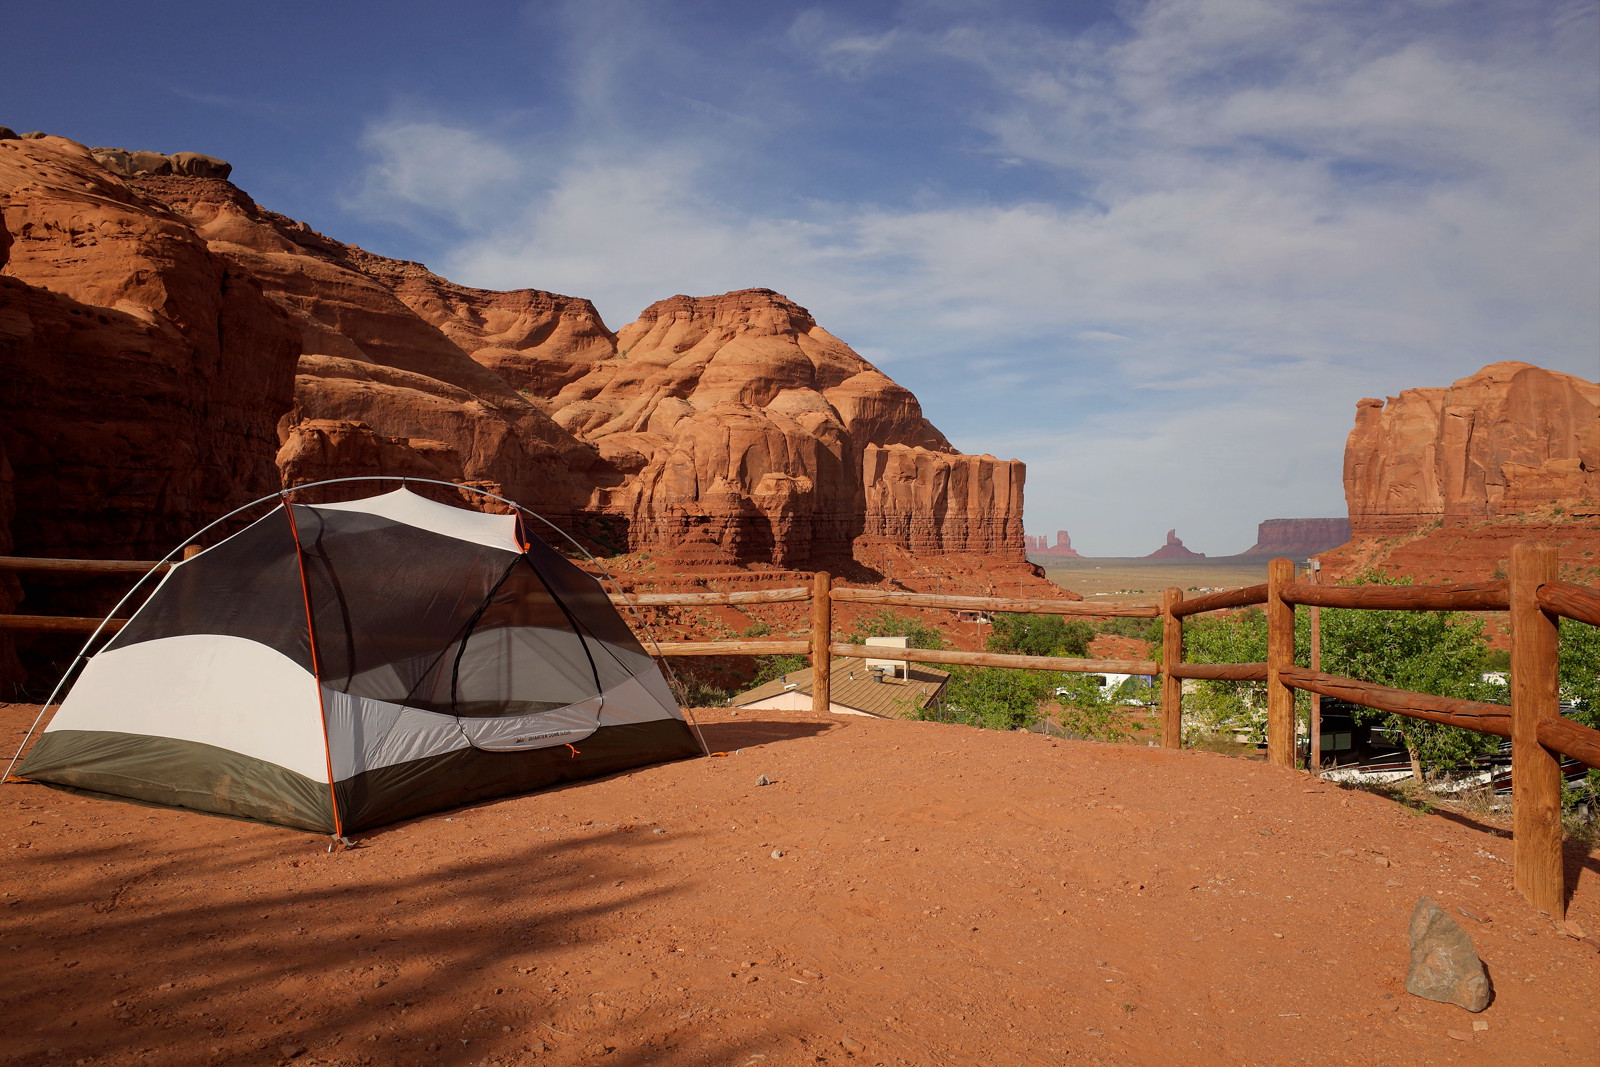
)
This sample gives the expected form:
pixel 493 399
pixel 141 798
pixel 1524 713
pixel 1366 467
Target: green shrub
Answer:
pixel 886 623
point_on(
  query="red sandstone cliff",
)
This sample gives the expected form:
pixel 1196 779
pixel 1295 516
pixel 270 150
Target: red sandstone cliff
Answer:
pixel 143 373
pixel 1441 482
pixel 1506 440
pixel 740 429
pixel 155 318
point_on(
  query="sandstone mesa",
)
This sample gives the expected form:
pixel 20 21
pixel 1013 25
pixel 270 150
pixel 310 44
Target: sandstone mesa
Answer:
pixel 173 350
pixel 1441 481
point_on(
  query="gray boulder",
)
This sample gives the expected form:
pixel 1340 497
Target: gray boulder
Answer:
pixel 1444 965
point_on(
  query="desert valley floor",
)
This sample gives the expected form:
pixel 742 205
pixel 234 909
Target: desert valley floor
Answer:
pixel 901 893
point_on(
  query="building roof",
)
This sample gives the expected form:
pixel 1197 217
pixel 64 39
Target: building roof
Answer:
pixel 852 686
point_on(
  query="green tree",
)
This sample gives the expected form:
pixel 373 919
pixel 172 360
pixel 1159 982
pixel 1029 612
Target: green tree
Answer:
pixel 1437 652
pixel 1579 668
pixel 1089 712
pixel 1147 630
pixel 1232 707
pixel 993 697
pixel 886 623
pixel 769 668
pixel 1039 635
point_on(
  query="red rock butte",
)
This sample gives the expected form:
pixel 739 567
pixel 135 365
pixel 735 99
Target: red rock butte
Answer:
pixel 1442 481
pixel 1174 549
pixel 1040 546
pixel 1510 439
pixel 175 350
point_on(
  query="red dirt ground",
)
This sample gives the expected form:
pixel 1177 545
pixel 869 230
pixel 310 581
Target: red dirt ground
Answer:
pixel 944 896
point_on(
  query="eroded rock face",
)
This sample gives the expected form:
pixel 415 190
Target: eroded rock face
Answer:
pixel 381 388
pixel 944 502
pixel 1509 439
pixel 141 374
pixel 738 428
pixel 126 164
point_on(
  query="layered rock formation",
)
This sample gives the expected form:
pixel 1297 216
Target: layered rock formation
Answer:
pixel 1174 549
pixel 1040 546
pixel 173 349
pixel 739 429
pixel 1298 538
pixel 1443 482
pixel 143 373
pixel 1507 440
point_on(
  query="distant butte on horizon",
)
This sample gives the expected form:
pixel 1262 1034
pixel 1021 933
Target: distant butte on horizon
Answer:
pixel 1291 538
pixel 1175 549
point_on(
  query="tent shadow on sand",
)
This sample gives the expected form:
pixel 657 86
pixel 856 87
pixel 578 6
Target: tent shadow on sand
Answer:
pixel 750 733
pixel 414 961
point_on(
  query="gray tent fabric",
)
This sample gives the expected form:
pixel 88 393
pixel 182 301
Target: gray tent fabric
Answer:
pixel 337 667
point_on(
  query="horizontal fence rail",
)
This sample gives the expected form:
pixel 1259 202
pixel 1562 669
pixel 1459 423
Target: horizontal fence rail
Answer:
pixel 1462 596
pixel 999 659
pixel 27 565
pixel 58 624
pixel 1221 672
pixel 1227 598
pixel 730 648
pixel 1013 605
pixel 1472 714
pixel 1571 601
pixel 1570 738
pixel 687 600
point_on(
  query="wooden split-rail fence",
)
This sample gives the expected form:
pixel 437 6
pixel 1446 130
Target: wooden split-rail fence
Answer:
pixel 1533 594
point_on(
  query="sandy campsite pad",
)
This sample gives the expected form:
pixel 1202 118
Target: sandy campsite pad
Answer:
pixel 902 893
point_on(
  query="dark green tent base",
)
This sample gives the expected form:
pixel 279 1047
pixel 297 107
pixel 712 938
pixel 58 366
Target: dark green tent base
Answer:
pixel 165 772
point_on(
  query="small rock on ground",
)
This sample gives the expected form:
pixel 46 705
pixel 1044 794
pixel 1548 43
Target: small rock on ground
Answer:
pixel 1444 965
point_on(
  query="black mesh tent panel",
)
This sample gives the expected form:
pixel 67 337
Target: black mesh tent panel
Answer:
pixel 583 597
pixel 247 586
pixel 417 618
pixel 388 599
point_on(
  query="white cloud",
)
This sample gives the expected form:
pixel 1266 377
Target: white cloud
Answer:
pixel 433 169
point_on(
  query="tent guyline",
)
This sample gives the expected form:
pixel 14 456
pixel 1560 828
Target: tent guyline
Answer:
pixel 356 663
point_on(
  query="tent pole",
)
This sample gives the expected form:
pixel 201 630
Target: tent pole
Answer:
pixel 316 667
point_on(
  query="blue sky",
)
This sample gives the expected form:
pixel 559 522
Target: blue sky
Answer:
pixel 1157 250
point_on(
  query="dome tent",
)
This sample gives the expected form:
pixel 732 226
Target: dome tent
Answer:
pixel 336 667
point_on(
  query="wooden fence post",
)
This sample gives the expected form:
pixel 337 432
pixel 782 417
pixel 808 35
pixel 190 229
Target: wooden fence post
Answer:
pixel 1171 656
pixel 1280 654
pixel 1535 771
pixel 821 638
pixel 1314 765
